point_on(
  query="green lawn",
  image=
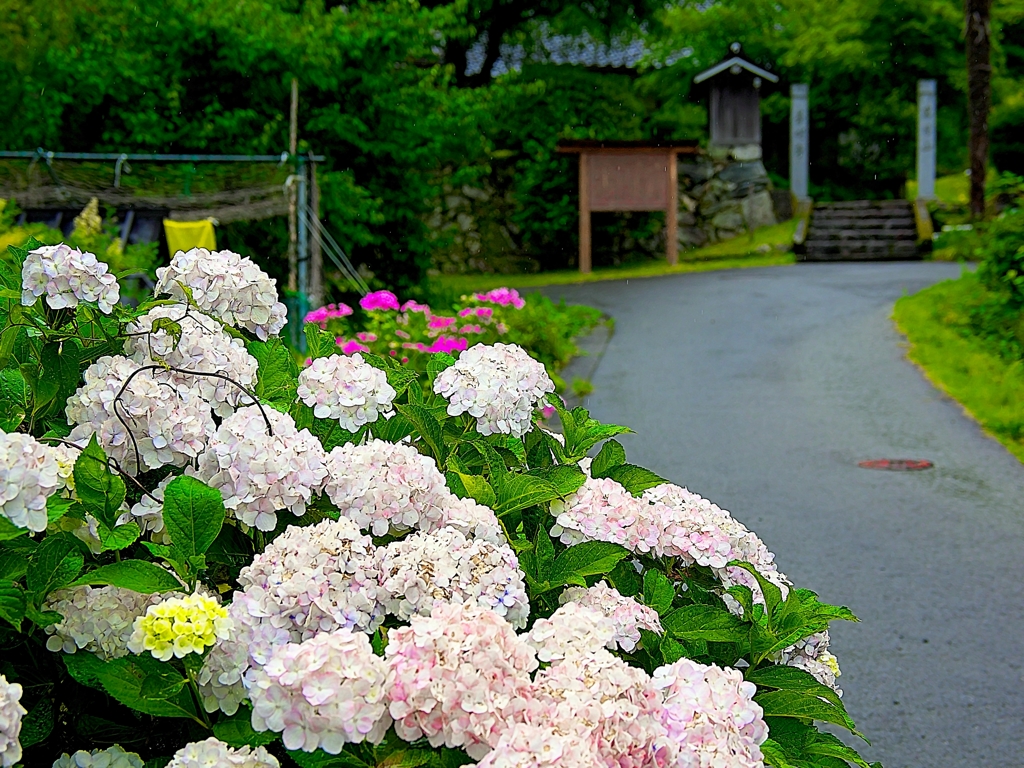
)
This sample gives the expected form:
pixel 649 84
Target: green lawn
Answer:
pixel 989 387
pixel 731 254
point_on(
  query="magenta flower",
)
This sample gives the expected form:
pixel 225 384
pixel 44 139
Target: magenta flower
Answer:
pixel 471 329
pixel 323 314
pixel 367 337
pixel 448 344
pixel 412 306
pixel 438 322
pixel 484 311
pixel 379 300
pixel 351 347
pixel 502 297
pixel 547 411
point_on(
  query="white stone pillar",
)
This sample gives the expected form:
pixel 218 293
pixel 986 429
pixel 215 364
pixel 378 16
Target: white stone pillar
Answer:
pixel 799 141
pixel 926 139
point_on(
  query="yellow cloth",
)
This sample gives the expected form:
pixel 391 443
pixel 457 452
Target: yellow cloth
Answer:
pixel 186 235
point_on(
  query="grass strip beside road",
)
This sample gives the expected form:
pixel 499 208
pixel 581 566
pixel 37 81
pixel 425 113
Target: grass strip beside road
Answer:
pixel 988 386
pixel 740 252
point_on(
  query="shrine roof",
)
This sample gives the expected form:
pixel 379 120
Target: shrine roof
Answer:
pixel 684 146
pixel 727 65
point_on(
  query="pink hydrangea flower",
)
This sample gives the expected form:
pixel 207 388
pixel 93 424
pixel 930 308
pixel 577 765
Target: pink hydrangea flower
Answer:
pixel 710 714
pixel 322 693
pixel 503 297
pixel 379 300
pixel 628 616
pixel 457 677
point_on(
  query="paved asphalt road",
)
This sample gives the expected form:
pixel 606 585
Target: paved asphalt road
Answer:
pixel 761 389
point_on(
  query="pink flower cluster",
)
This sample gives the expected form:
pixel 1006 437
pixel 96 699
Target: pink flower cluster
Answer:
pixel 703 522
pixel 628 616
pixel 709 713
pixel 322 693
pixel 379 301
pixel 457 677
pixel 503 297
pixel 667 521
pixel 321 315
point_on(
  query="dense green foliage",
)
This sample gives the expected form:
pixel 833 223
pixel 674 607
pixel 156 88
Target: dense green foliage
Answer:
pixel 385 95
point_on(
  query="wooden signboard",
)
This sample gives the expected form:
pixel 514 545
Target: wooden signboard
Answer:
pixel 627 176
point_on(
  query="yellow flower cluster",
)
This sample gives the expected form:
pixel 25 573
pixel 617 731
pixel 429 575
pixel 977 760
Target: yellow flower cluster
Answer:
pixel 180 626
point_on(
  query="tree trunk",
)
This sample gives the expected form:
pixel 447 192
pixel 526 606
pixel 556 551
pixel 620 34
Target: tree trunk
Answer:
pixel 978 33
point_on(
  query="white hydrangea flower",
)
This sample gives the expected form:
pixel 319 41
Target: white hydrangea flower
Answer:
pixel 148 513
pixel 169 425
pixel 710 714
pixel 322 693
pixel 318 578
pixel 67 276
pixel 228 667
pixel 628 616
pixel 573 628
pixel 29 475
pixel 474 520
pixel 499 385
pixel 96 619
pixel 112 757
pixel 309 580
pixel 11 713
pixel 813 656
pixel 214 753
pixel 259 473
pixel 385 487
pixel 425 569
pixel 347 390
pixel 204 347
pixel 228 286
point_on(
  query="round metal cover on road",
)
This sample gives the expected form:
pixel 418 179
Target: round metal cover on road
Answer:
pixel 896 465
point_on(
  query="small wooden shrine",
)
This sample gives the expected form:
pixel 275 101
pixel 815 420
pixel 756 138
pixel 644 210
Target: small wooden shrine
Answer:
pixel 733 88
pixel 628 176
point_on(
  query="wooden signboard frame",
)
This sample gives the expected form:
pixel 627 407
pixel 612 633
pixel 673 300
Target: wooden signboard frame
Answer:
pixel 628 176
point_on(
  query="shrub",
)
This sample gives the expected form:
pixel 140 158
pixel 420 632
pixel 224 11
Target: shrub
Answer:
pixel 411 332
pixel 1003 250
pixel 449 582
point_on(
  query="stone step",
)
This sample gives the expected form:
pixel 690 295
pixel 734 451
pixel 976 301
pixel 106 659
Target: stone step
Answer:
pixel 902 233
pixel 863 205
pixel 880 248
pixel 901 222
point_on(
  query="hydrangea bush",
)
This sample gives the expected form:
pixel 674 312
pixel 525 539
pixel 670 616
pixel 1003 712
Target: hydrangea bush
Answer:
pixel 210 558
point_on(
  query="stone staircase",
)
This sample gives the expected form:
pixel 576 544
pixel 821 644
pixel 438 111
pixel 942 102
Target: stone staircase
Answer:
pixel 861 230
